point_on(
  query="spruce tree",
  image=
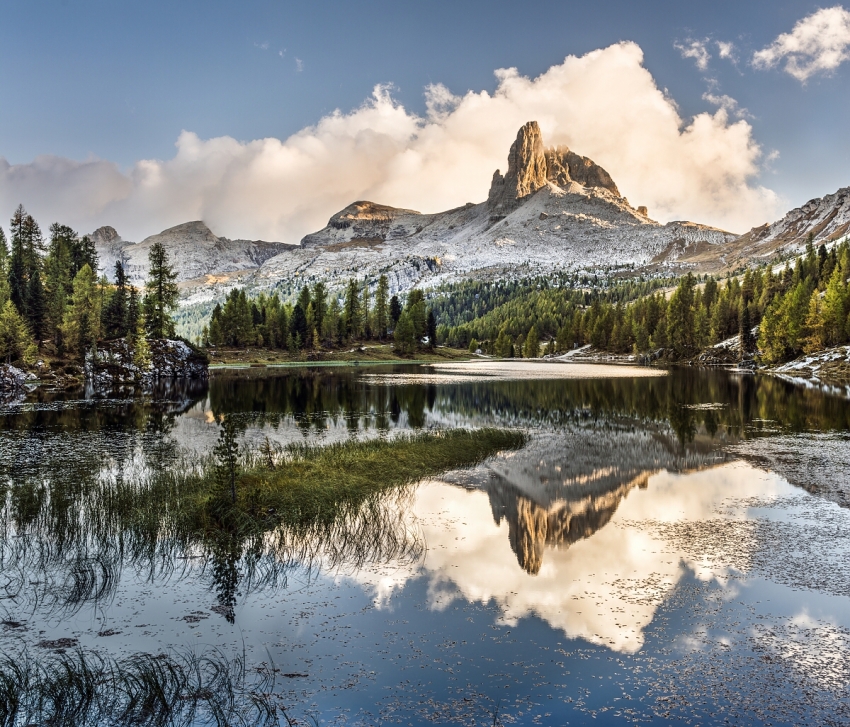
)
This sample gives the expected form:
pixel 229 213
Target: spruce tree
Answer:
pixel 17 260
pixel 431 329
pixel 115 324
pixel 36 306
pixel 351 311
pixel 404 335
pixel 365 313
pixel 531 349
pixel 381 310
pixel 320 305
pixel 161 294
pixel 395 310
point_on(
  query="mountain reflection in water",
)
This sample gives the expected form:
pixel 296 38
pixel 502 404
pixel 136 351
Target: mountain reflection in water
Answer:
pixel 627 535
pixel 564 487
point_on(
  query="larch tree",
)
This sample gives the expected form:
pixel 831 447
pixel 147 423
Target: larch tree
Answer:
pixel 81 325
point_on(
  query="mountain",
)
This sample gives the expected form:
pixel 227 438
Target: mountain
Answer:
pixel 826 219
pixel 195 252
pixel 552 210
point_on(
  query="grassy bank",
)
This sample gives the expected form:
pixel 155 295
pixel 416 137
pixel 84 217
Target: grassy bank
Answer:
pixel 368 353
pixel 303 484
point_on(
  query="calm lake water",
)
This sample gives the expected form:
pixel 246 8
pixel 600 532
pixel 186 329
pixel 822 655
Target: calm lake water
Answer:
pixel 665 548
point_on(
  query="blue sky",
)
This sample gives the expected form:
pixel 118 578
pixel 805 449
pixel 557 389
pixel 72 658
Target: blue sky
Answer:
pixel 120 81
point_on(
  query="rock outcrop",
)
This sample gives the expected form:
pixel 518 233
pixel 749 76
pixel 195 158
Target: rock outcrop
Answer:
pixel 531 167
pixel 527 171
pixel 14 383
pixel 12 378
pixel 564 166
pixel 113 365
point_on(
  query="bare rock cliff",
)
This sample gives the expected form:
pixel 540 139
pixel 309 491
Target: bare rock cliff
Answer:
pixel 532 167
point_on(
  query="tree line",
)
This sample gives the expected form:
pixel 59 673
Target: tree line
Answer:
pixel 799 309
pixel 322 319
pixel 52 301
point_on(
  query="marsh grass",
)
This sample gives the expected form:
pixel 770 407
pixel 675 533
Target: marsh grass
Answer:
pixel 303 484
pixel 334 507
pixel 177 689
pixel 337 507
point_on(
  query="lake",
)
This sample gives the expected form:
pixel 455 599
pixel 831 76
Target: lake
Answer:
pixel 668 546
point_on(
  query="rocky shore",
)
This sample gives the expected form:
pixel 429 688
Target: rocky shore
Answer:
pixel 115 364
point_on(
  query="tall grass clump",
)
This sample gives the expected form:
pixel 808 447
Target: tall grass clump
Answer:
pixel 179 690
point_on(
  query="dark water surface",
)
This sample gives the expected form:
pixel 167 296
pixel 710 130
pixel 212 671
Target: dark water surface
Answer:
pixel 664 549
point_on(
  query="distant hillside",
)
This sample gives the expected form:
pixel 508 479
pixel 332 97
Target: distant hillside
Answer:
pixel 195 252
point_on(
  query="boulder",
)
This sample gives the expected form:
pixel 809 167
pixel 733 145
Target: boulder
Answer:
pixel 12 379
pixel 112 365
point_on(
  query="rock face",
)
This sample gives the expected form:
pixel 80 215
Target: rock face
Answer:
pixel 826 219
pixel 194 250
pixel 531 167
pixel 112 366
pixel 363 222
pixel 564 166
pixel 527 171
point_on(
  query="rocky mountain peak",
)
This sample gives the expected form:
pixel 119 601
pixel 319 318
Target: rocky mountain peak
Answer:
pixel 196 231
pixel 105 235
pixel 531 166
pixel 526 170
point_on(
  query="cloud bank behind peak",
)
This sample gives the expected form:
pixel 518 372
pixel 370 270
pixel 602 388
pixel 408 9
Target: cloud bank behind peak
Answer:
pixel 605 105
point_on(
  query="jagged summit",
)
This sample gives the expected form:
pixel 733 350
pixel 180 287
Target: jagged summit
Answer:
pixel 531 167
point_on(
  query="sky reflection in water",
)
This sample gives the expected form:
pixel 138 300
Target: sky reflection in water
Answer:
pixel 624 564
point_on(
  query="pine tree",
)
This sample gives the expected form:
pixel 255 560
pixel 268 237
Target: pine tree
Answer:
pixel 298 326
pixel 58 282
pixel 226 451
pixel 365 313
pixel 320 305
pixel 431 329
pixel 115 312
pixel 816 338
pixel 404 335
pixel 504 347
pixel 395 310
pixel 36 306
pixel 381 310
pixel 141 348
pixel 4 270
pixel 531 349
pixel 161 294
pixel 351 311
pixel 680 317
pixel 17 260
pixel 836 306
pixel 134 309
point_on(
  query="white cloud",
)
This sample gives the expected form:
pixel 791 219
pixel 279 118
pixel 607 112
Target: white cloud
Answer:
pixel 728 104
pixel 726 50
pixel 299 65
pixel 819 43
pixel 697 50
pixel 605 105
